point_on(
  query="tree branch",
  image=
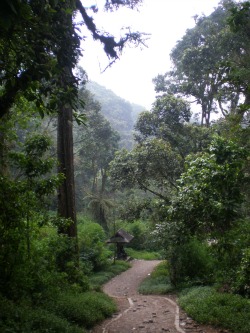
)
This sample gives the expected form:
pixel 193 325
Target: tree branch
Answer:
pixel 110 45
pixel 153 192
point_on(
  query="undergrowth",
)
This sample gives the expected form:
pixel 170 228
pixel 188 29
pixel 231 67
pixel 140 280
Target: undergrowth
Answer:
pixel 157 282
pixel 143 255
pixel 66 311
pixel 22 318
pixel 84 309
pixel 206 305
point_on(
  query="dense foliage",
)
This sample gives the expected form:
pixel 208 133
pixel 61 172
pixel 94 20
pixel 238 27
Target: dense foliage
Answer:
pixel 180 187
pixel 198 176
pixel 43 280
pixel 224 310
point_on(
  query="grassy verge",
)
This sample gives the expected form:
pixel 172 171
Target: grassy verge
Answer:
pixel 63 312
pixel 143 254
pixel 206 305
pixel 158 282
pixel 203 304
pixel 84 309
pixel 23 318
pixel 99 278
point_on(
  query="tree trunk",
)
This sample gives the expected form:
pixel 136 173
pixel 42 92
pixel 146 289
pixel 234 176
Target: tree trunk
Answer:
pixel 66 192
pixel 67 84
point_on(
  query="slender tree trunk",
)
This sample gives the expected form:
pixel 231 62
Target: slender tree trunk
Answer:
pixel 104 180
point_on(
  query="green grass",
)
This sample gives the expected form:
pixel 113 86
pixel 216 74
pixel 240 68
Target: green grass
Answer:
pixel 63 312
pixel 206 305
pixel 84 309
pixel 23 318
pixel 158 282
pixel 99 278
pixel 144 255
pixel 203 304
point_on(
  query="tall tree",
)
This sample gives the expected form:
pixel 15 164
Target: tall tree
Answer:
pixel 209 205
pixel 210 190
pixel 23 196
pixel 152 166
pixel 67 53
pixel 202 65
pixel 40 47
pixel 239 22
pixel 166 121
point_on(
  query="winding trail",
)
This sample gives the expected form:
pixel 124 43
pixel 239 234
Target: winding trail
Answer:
pixel 145 313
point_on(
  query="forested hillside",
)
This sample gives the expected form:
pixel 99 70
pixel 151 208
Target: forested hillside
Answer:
pixel 121 114
pixel 71 176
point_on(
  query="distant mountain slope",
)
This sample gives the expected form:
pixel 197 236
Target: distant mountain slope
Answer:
pixel 121 114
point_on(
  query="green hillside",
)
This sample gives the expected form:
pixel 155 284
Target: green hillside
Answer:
pixel 121 114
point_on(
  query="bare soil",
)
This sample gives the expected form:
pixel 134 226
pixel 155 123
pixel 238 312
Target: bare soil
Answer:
pixel 144 314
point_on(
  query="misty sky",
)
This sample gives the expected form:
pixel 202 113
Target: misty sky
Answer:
pixel 131 76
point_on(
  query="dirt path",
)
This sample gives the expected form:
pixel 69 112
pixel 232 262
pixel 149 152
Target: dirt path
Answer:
pixel 144 314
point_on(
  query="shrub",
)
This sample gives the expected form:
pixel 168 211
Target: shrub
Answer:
pixel 242 283
pixel 205 305
pixel 233 258
pixel 190 262
pixel 22 318
pixel 93 252
pixel 85 309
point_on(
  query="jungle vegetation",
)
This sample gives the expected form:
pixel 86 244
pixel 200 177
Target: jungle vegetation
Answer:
pixel 77 163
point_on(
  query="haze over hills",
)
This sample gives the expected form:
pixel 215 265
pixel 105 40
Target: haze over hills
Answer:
pixel 121 114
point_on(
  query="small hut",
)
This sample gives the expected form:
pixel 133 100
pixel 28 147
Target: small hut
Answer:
pixel 120 238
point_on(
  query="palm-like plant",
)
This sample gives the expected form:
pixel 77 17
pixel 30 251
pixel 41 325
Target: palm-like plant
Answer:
pixel 100 207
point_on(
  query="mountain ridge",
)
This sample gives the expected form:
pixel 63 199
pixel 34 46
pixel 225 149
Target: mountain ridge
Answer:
pixel 121 114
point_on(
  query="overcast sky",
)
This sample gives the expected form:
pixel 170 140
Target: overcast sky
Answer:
pixel 131 76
